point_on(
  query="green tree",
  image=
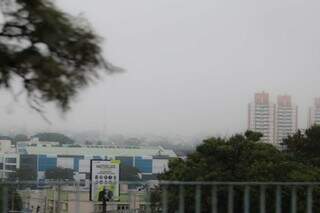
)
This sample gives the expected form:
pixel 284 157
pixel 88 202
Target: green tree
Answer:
pixel 52 53
pixel 59 174
pixel 239 158
pixel 20 137
pixel 53 137
pixel 88 143
pixel 23 174
pixel 253 136
pixel 5 138
pixel 305 147
pixel 74 145
pixel 129 173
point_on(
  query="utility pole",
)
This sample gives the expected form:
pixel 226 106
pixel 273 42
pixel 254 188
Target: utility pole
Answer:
pixel 104 201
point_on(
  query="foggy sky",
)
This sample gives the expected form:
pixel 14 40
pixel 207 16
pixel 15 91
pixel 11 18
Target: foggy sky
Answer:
pixel 191 66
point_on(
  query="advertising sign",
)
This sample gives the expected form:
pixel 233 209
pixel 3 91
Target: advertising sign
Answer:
pixel 104 176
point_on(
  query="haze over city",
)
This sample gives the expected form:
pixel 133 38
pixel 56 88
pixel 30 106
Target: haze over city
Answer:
pixel 191 68
pixel 159 106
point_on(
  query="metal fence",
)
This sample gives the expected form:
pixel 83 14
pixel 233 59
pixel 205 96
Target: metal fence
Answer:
pixel 275 196
pixel 165 196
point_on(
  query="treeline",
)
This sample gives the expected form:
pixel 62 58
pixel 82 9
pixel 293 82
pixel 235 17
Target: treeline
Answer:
pixel 44 136
pixel 243 158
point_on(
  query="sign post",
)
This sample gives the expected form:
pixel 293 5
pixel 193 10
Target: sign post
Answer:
pixel 104 175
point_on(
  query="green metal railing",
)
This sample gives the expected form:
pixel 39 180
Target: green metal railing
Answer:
pixel 278 187
pixel 294 196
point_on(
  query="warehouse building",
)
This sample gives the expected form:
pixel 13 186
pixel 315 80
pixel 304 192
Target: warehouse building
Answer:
pixel 40 158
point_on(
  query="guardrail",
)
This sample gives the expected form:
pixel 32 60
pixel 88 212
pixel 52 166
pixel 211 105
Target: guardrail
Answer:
pixel 165 197
pixel 246 187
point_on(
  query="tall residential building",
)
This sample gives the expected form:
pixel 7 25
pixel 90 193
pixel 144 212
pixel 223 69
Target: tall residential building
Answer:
pixel 286 118
pixel 314 113
pixel 261 117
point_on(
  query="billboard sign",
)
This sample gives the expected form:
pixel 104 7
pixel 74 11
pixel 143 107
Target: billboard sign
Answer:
pixel 104 176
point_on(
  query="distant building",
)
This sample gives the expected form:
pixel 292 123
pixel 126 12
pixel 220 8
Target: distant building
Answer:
pixel 286 118
pixel 314 113
pixel 9 160
pixel 274 121
pixel 8 164
pixel 261 117
pixel 6 146
pixel 148 160
pixel 38 157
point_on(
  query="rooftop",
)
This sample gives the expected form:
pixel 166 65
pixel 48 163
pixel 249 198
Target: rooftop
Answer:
pixel 102 151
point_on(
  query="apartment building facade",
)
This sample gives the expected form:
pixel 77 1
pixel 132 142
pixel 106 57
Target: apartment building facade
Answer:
pixel 286 118
pixel 274 121
pixel 314 113
pixel 261 117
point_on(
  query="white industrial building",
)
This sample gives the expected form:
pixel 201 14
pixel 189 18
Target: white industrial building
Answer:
pixel 38 157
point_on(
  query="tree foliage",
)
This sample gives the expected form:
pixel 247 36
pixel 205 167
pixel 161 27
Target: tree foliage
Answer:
pixel 237 159
pixel 129 173
pixel 305 147
pixel 59 174
pixel 23 174
pixel 241 158
pixel 54 137
pixel 5 138
pixel 51 52
pixel 20 137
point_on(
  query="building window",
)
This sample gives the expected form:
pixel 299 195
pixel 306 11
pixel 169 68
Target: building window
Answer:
pixel 10 167
pixel 123 207
pixel 11 160
pixel 82 182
